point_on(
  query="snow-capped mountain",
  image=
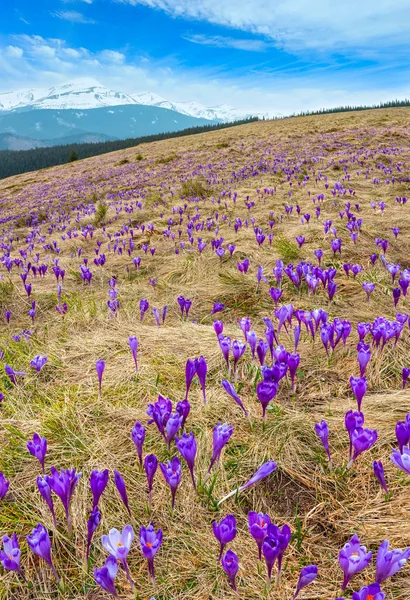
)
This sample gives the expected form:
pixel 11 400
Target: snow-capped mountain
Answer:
pixel 85 94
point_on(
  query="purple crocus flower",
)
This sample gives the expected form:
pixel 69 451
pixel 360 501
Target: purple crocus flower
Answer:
pixel 252 340
pixel 138 437
pixel 38 362
pixel 405 376
pixel 201 371
pixel 118 545
pixel 221 435
pixel 218 307
pixel 378 470
pixel 266 390
pixel 229 389
pixel 225 346
pixel 275 294
pixel 98 483
pixel 363 356
pixel 283 537
pixel 133 344
pixel 11 374
pixel 402 459
pixel 160 412
pixel 264 470
pixel 370 592
pixel 258 528
pixel 172 427
pixel 359 388
pixel 150 466
pixel 270 549
pixel 238 348
pixel 150 542
pixel 122 490
pixel 105 576
pixel 230 564
pixel 368 288
pixel 362 440
pixel 172 473
pixel 45 492
pixel 92 524
pixel 183 409
pixel 190 372
pixel 186 445
pixel 99 367
pixel 403 433
pixel 293 361
pixel 144 306
pixel 322 430
pixel 225 532
pixel 353 420
pixel 306 576
pixel 353 558
pixel 261 350
pixel 218 327
pixel 388 562
pixel 40 544
pixel 38 448
pixel 10 555
pixel 63 484
pixel 319 255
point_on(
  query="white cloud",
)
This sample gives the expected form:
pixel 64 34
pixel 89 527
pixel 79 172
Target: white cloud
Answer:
pixel 219 41
pixel 112 56
pixel 44 51
pixel 14 51
pixel 71 53
pixel 300 24
pixel 73 16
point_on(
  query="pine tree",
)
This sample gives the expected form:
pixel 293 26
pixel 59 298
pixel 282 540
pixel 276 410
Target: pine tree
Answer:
pixel 73 156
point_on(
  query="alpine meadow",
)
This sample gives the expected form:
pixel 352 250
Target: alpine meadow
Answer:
pixel 205 348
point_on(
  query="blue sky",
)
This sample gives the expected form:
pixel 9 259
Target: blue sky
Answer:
pixel 272 55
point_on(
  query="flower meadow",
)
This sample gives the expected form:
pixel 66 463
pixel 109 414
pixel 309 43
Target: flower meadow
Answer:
pixel 205 367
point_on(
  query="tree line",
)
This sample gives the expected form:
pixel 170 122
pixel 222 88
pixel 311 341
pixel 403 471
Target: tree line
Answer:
pixel 14 162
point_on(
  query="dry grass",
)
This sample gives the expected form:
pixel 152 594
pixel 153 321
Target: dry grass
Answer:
pixel 324 508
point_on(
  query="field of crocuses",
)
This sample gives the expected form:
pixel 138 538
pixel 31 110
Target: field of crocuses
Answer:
pixel 205 348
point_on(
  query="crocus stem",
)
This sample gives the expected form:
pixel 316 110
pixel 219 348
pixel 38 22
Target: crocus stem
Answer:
pixel 55 572
pixel 193 478
pixel 127 571
pixel 151 570
pixel 235 491
pixel 69 526
pixel 54 519
pixel 149 500
pixel 21 573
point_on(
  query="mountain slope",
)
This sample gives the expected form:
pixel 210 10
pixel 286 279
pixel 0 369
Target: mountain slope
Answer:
pixel 116 122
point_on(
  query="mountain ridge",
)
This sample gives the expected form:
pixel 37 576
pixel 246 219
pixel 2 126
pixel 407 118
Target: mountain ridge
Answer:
pixel 86 94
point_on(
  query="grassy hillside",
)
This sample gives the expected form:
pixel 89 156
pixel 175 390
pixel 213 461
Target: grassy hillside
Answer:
pixel 135 200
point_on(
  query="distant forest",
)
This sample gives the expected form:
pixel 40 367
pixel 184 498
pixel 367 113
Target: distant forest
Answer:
pixel 337 109
pixel 13 162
